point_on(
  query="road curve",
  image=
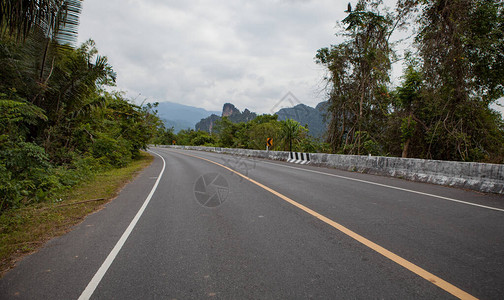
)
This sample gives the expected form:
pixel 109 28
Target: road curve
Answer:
pixel 226 227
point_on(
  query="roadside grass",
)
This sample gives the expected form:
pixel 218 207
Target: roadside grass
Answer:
pixel 24 230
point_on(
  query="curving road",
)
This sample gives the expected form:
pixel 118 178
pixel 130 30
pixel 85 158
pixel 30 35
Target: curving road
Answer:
pixel 205 225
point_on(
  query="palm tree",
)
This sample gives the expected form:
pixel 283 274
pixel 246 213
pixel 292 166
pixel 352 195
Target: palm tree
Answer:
pixel 58 19
pixel 46 21
pixel 68 26
pixel 18 17
pixel 290 131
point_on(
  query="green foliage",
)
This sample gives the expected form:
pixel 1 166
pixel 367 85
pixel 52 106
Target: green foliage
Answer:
pixel 203 139
pixel 58 19
pixel 287 134
pixel 441 109
pixel 461 46
pixel 358 77
pixel 260 131
pixel 16 116
pixel 164 136
pixel 408 126
pixel 195 138
pixel 110 151
pixel 26 174
pixel 59 128
pixel 226 130
pixel 291 132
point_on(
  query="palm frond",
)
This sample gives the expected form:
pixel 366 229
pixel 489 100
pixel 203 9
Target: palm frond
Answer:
pixel 69 24
pixel 18 17
pixel 58 19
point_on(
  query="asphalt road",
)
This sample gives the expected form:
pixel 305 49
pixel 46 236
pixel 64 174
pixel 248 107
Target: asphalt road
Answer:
pixel 285 231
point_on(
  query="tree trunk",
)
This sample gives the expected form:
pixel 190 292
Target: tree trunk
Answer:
pixel 406 144
pixel 405 148
pixel 44 58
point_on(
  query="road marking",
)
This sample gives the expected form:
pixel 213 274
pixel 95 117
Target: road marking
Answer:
pixel 388 186
pixel 91 287
pixel 448 287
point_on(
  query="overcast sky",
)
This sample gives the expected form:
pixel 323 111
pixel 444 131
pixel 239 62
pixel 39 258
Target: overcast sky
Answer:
pixel 205 53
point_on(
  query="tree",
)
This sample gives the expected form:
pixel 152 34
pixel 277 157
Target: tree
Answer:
pixel 358 77
pixel 226 130
pixel 292 132
pixel 260 131
pixel 461 46
pixel 55 133
pixel 165 136
pixel 409 107
pixel 442 108
pixel 71 94
pixel 202 138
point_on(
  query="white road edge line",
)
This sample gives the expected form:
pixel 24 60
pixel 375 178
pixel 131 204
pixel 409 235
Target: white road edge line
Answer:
pixel 93 284
pixel 389 186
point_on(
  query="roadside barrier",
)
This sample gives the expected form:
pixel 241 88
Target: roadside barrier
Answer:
pixel 299 158
pixel 488 178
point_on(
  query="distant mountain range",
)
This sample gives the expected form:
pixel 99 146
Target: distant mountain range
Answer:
pixel 312 118
pixel 181 116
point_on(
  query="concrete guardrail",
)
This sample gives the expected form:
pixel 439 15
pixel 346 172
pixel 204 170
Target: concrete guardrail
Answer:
pixel 488 178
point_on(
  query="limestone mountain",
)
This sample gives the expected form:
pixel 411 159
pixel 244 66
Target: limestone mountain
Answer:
pixel 313 118
pixel 229 111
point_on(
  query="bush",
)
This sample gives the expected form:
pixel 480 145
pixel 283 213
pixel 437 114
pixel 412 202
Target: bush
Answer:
pixel 112 152
pixel 26 175
pixel 202 139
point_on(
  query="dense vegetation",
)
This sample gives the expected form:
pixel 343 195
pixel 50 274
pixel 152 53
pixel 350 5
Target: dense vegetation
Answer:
pixel 286 134
pixel 311 118
pixel 58 124
pixel 442 108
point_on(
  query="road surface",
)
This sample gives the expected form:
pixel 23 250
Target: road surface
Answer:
pixel 198 225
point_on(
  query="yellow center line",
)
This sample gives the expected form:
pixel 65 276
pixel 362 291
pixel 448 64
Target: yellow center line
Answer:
pixel 450 288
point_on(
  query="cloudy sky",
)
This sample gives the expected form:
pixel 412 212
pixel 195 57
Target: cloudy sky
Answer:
pixel 207 52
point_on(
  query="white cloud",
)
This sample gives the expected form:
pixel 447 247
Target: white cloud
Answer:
pixel 205 53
